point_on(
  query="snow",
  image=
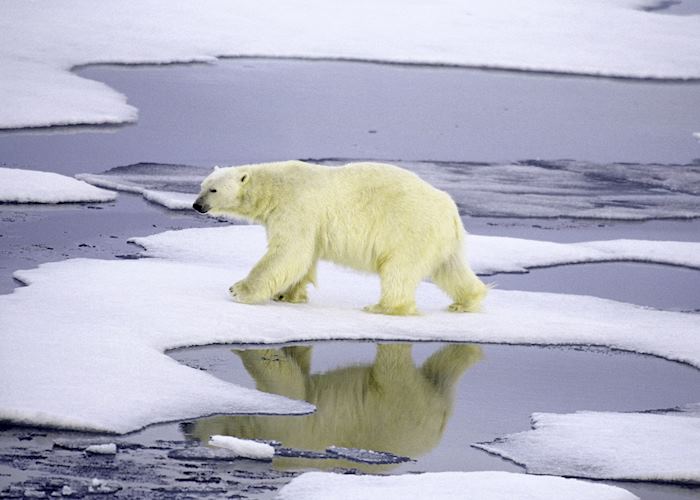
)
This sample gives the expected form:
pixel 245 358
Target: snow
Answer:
pixel 600 37
pixel 564 188
pixel 32 186
pixel 102 449
pixel 83 343
pixel 446 485
pixel 245 448
pixel 600 445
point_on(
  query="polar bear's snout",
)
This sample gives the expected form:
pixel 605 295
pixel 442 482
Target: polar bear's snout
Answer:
pixel 200 206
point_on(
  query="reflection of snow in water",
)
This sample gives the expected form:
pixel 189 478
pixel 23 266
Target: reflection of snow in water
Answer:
pixel 562 188
pixel 598 445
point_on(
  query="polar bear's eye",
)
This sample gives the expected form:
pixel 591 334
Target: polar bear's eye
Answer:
pixel 212 190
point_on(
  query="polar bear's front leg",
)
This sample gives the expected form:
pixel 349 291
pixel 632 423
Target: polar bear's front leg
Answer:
pixel 282 267
pixel 296 294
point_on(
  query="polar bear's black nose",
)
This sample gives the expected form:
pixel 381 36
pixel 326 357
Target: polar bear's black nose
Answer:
pixel 198 207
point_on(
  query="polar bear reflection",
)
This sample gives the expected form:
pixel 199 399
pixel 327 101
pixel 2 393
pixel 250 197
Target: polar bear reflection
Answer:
pixel 391 405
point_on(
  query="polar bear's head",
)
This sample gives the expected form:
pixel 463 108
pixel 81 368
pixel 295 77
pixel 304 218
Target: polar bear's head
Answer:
pixel 222 189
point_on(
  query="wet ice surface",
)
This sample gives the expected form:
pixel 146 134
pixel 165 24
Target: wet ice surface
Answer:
pixel 562 188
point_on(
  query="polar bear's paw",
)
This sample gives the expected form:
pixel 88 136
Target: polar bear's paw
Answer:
pixel 240 292
pixel 463 308
pixel 403 310
pixel 298 296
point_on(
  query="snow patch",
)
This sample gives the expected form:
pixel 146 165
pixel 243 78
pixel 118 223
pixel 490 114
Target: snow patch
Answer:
pixel 83 344
pixel 245 448
pixel 600 445
pixel 446 485
pixel 33 186
pixel 599 38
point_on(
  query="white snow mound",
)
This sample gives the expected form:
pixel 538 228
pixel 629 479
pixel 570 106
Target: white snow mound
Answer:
pixel 446 485
pixel 245 448
pixel 32 186
pixel 83 344
pixel 610 38
pixel 600 445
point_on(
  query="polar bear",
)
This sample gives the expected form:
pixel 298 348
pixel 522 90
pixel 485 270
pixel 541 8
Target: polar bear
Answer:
pixel 388 405
pixel 368 216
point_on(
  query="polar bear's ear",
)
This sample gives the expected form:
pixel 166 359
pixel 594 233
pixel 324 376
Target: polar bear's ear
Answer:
pixel 244 178
pixel 216 167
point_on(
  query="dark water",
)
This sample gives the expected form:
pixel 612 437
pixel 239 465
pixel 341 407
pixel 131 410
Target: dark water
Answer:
pixel 247 110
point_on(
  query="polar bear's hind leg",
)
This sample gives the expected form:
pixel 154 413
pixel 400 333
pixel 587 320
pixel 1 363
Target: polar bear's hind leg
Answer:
pixel 459 282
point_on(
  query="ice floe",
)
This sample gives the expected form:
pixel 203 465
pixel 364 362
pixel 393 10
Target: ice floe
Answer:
pixel 33 186
pixel 563 36
pixel 606 445
pixel 447 485
pixel 245 448
pixel 564 188
pixel 83 344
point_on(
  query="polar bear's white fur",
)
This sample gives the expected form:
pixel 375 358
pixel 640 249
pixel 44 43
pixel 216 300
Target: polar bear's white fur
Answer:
pixel 367 216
